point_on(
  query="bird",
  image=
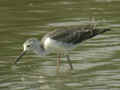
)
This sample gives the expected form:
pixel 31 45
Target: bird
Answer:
pixel 60 41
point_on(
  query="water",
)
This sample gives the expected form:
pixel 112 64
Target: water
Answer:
pixel 96 61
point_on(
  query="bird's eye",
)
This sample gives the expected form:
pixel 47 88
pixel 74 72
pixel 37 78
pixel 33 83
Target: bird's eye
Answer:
pixel 28 45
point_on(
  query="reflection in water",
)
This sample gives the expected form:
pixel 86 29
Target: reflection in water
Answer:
pixel 96 61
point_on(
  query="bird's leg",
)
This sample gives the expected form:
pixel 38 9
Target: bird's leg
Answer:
pixel 58 61
pixel 69 61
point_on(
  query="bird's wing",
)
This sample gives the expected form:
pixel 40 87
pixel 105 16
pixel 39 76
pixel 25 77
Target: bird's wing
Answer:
pixel 73 36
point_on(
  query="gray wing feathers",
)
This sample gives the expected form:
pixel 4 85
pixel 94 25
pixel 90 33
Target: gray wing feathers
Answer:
pixel 74 36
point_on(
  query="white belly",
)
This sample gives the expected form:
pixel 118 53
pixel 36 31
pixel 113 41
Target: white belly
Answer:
pixel 53 45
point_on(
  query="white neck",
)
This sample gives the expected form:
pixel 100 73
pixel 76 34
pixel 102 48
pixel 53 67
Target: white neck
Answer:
pixel 39 50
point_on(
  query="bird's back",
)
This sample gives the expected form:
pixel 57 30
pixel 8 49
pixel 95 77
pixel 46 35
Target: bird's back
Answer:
pixel 73 35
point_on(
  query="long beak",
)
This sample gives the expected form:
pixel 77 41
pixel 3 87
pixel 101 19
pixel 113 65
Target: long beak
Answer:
pixel 19 57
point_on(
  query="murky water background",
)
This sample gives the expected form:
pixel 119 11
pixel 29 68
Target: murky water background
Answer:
pixel 96 62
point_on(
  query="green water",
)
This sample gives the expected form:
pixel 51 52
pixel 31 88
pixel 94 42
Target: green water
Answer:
pixel 96 61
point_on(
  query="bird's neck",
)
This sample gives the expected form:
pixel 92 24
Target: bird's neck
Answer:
pixel 39 50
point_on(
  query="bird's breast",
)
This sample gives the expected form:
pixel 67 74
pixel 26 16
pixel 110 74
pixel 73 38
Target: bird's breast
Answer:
pixel 54 45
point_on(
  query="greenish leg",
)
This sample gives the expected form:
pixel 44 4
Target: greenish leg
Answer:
pixel 69 62
pixel 58 61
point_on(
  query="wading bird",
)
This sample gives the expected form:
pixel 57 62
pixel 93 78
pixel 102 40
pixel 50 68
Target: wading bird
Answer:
pixel 60 41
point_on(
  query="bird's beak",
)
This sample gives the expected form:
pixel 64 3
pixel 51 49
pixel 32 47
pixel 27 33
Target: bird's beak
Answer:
pixel 19 57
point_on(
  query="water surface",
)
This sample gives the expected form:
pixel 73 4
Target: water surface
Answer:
pixel 96 61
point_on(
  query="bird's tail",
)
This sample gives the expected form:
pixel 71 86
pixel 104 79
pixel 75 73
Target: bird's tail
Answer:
pixel 99 31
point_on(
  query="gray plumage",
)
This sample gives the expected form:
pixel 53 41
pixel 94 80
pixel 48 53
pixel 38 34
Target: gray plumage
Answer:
pixel 73 35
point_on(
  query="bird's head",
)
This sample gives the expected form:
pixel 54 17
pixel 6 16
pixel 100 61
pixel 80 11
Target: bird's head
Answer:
pixel 30 45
